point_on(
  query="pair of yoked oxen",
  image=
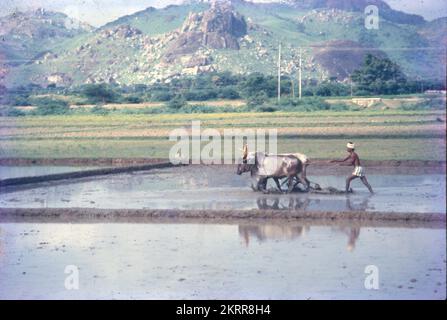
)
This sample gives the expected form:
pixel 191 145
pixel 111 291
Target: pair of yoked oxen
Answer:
pixel 263 166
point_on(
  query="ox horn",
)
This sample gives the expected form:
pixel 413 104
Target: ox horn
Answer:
pixel 244 151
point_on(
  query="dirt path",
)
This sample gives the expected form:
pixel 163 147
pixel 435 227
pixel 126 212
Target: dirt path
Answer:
pixel 83 214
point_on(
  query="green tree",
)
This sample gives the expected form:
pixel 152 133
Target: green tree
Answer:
pixel 379 76
pixel 255 83
pixel 100 93
pixel 257 99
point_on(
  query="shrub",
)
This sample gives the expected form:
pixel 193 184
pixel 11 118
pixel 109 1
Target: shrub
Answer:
pixel 132 99
pixel 162 96
pixel 201 95
pixel 152 110
pixel 258 99
pixel 427 104
pixel 305 104
pixel 265 108
pixel 176 103
pixel 12 112
pixel 100 93
pixel 48 106
pixel 209 109
pixel 99 110
pixel 17 100
pixel 339 107
pixel 315 104
pixel 198 109
pixel 228 93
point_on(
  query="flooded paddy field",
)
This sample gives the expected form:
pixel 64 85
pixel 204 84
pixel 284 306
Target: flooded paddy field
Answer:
pixel 167 234
pixel 229 260
pixel 199 187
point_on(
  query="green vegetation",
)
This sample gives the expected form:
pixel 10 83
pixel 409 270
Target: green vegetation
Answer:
pixel 48 106
pixel 295 26
pixel 380 76
pixel 99 93
pixel 176 103
pixel 99 110
pixel 380 135
pixel 427 104
pixel 376 77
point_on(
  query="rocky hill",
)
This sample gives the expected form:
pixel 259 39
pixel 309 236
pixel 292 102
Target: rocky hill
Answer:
pixel 206 36
pixel 219 27
pixel 26 34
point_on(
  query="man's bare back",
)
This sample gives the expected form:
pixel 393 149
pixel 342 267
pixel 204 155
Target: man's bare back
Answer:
pixel 353 159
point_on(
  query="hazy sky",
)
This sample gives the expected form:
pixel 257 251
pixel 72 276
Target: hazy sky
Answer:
pixel 98 12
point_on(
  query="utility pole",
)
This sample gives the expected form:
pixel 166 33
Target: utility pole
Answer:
pixel 299 76
pixel 293 88
pixel 279 73
pixel 421 82
pixel 350 83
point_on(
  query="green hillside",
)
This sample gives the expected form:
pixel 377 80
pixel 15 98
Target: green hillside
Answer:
pixel 160 44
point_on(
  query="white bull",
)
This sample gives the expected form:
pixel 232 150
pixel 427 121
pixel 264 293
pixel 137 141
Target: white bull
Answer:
pixel 264 166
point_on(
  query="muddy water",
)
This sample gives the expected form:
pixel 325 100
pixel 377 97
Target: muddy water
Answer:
pixel 7 172
pixel 218 187
pixel 226 261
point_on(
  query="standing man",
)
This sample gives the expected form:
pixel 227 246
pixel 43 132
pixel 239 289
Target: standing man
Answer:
pixel 353 160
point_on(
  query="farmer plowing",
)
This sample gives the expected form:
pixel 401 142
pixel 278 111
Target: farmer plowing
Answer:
pixel 291 169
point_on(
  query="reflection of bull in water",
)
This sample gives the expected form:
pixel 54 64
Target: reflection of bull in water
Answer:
pixel 283 232
pixel 277 204
pixel 306 203
pixel 271 232
pixel 263 166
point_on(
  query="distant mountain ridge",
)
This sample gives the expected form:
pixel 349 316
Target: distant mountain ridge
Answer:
pixel 31 33
pixel 207 36
pixel 347 5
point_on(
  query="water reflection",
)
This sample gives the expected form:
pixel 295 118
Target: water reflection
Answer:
pixel 271 232
pixel 362 206
pixel 266 232
pixel 1 244
pixel 353 234
pixel 278 203
pixel 306 203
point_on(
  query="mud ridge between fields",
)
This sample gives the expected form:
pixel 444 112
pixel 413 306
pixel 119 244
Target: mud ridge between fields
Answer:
pixel 12 182
pixel 80 161
pixel 74 214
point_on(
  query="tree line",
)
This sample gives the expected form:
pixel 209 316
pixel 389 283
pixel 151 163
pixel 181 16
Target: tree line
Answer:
pixel 376 76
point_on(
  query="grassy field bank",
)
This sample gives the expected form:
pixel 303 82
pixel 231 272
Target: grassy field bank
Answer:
pixel 379 135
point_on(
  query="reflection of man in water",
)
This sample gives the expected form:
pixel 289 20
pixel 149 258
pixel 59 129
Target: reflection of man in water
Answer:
pixel 362 206
pixel 1 249
pixel 358 172
pixel 354 234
